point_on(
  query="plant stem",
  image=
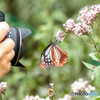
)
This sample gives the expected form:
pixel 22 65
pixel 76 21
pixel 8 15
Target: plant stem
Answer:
pixel 97 20
pixel 85 41
pixel 0 97
pixel 5 96
pixel 51 98
pixel 95 46
pixel 3 92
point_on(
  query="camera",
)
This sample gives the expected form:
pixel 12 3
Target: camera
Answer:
pixel 17 35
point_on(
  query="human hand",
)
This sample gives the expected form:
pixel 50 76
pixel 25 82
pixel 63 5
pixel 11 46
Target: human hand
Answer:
pixel 6 49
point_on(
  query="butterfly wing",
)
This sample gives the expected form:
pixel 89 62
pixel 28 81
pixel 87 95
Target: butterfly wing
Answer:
pixel 59 56
pixel 46 59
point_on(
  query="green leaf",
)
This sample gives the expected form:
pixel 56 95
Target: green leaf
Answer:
pixel 95 63
pixel 96 98
pixel 96 72
pixel 93 56
pixel 89 66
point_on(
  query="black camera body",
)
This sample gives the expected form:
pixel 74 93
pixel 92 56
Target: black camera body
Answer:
pixel 17 35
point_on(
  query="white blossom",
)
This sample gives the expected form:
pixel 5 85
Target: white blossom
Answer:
pixel 60 35
pixel 86 17
pixel 35 98
pixel 81 85
pixel 3 86
pixel 66 97
pixel 69 25
pixel 52 85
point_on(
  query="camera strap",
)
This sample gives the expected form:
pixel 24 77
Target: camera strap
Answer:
pixel 19 48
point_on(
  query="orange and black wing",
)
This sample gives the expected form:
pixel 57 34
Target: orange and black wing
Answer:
pixel 46 59
pixel 59 56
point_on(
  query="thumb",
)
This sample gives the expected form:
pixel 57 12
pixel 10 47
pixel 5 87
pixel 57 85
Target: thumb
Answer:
pixel 4 27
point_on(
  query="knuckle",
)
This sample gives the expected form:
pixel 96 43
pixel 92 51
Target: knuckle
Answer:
pixel 5 24
pixel 9 65
pixel 1 53
pixel 11 42
pixel 4 27
pixel 4 64
pixel 13 53
pixel 8 68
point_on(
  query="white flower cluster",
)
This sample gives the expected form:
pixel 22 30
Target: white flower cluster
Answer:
pixel 84 21
pixel 60 35
pixel 77 86
pixel 88 15
pixel 35 98
pixel 69 25
pixel 82 85
pixel 3 86
pixel 66 97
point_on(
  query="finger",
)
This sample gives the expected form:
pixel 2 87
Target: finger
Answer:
pixel 4 27
pixel 8 68
pixel 7 45
pixel 10 55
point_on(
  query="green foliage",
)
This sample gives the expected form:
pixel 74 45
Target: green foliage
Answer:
pixel 96 98
pixel 89 66
pixel 94 66
pixel 93 56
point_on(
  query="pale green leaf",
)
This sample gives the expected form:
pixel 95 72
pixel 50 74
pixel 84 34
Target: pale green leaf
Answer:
pixel 89 66
pixel 96 98
pixel 93 56
pixel 96 72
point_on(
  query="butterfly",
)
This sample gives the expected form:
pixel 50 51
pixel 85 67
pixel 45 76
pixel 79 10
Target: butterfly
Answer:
pixel 53 55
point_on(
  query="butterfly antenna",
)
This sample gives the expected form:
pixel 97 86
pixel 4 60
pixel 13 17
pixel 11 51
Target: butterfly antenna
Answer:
pixel 56 41
pixel 51 37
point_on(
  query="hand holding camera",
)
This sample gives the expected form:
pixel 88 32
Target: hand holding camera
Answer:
pixel 11 45
pixel 6 49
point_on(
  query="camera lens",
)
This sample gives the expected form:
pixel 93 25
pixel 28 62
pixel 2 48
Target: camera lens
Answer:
pixel 17 35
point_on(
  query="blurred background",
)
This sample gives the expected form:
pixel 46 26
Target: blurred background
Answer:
pixel 45 17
